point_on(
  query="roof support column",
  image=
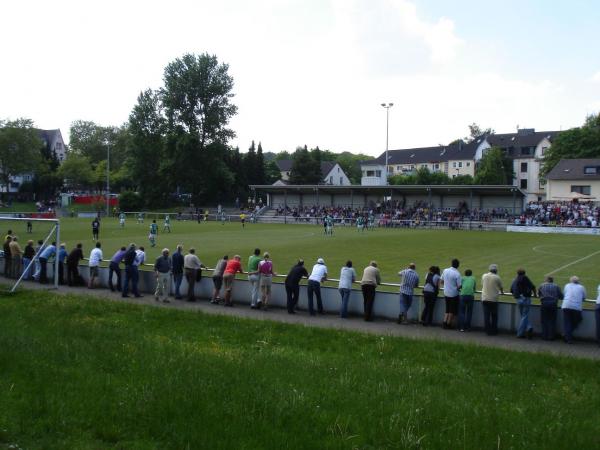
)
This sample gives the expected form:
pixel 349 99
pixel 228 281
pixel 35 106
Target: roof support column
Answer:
pixel 285 206
pixel 430 206
pixel 351 198
pixel 514 193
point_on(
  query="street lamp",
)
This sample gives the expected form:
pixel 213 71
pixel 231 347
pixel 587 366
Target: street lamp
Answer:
pixel 387 107
pixel 107 179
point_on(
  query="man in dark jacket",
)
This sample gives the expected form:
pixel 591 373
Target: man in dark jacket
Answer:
pixel 292 285
pixel 73 277
pixel 177 269
pixel 129 260
pixel 549 293
pixel 522 290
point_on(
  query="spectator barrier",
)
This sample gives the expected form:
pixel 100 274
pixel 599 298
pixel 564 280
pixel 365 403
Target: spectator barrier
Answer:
pixel 386 303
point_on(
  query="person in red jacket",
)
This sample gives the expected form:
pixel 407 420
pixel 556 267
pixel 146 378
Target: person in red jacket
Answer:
pixel 233 266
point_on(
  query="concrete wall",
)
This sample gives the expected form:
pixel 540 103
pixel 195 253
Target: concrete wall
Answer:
pixel 386 304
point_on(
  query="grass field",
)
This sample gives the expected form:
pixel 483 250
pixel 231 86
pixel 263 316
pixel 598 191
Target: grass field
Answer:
pixel 81 373
pixel 539 254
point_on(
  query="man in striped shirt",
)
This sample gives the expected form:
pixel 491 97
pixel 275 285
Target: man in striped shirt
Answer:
pixel 410 280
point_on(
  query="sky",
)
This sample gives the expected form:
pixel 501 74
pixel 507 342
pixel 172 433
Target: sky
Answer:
pixel 313 72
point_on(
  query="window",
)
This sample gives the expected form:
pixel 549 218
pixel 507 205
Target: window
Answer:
pixel 59 146
pixel 454 164
pixel 524 184
pixel 523 167
pixel 526 151
pixel 460 164
pixel 330 180
pixel 585 190
pixel 468 164
pixel 341 180
pixel 544 150
pixel 590 170
pixel 338 170
pixel 378 173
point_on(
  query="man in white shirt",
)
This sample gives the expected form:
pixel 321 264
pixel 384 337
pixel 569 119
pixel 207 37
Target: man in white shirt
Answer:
pixel 140 258
pixel 574 296
pixel 95 260
pixel 347 277
pixel 451 282
pixel 318 275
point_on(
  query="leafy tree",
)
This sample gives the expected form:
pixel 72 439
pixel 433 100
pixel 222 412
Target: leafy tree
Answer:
pixel 130 201
pixel 250 164
pixel 582 142
pixel 197 97
pixel 304 169
pixel 350 163
pixel 272 172
pixel 476 132
pixel 76 171
pixel 260 165
pixel 462 180
pixel 283 155
pixel 494 168
pixel 20 147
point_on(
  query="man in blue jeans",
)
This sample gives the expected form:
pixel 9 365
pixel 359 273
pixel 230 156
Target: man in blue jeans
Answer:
pixel 410 280
pixel 549 294
pixel 317 276
pixel 522 290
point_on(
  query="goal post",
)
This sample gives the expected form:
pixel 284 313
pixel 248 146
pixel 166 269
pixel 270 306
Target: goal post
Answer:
pixel 20 226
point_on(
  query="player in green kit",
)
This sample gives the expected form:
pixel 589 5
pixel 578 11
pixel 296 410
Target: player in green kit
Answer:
pixel 153 233
pixel 122 220
pixel 360 223
pixel 329 225
pixel 371 222
pixel 167 224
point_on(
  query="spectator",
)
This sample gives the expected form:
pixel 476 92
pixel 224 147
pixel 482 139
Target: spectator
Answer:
pixel 430 293
pixel 62 256
pixel 233 266
pixel 410 280
pixel 38 251
pixel 218 279
pixel 572 305
pixel 191 265
pixel 347 277
pixel 114 268
pixel 265 270
pixel 73 277
pixel 491 288
pixel 129 260
pixel 292 285
pixel 597 314
pixel 28 254
pixel 46 254
pixel 94 263
pixel 254 278
pixel 162 269
pixel 317 276
pixel 177 261
pixel 522 290
pixel 370 280
pixel 451 280
pixel 140 259
pixel 95 229
pixel 467 297
pixel 7 256
pixel 549 294
pixel 15 254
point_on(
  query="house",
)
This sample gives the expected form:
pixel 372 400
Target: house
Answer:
pixel 52 143
pixel 331 173
pixel 455 159
pixel 574 179
pixel 525 148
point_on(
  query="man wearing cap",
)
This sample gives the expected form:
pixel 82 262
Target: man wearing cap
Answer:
pixel 292 285
pixel 491 288
pixel 162 269
pixel 574 296
pixel 317 276
pixel 370 279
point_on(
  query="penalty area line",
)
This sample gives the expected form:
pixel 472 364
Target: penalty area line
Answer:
pixel 572 263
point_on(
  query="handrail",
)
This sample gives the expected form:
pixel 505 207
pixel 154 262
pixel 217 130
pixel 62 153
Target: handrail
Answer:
pixel 336 280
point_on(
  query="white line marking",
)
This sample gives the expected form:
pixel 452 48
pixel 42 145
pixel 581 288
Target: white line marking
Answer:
pixel 572 263
pixel 537 249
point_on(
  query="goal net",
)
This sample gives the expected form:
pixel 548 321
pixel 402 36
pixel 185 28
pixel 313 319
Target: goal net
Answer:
pixel 30 250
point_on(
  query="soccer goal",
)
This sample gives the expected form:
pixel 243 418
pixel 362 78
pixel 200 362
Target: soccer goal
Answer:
pixel 40 233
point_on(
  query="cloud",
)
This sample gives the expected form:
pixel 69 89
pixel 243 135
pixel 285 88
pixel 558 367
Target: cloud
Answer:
pixel 596 77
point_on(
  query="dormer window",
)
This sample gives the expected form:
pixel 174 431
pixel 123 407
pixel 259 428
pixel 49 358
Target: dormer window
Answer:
pixel 590 170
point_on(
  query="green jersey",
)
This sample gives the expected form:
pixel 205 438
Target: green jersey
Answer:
pixel 253 263
pixel 467 286
pixel 153 228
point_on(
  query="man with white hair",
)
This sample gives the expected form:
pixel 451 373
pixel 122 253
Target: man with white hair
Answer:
pixel 162 268
pixel 574 296
pixel 317 276
pixel 491 288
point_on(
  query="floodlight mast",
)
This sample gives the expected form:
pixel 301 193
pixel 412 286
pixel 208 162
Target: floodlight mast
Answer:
pixel 387 107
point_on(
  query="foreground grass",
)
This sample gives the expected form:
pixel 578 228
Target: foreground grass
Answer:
pixel 88 374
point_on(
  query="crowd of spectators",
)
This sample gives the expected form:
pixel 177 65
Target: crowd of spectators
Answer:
pixel 559 213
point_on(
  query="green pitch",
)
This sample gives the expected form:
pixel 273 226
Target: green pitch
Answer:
pixel 393 249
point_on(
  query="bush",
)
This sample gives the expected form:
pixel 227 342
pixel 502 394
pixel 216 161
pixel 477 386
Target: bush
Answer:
pixel 130 201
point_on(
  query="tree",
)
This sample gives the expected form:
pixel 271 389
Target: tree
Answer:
pixel 250 164
pixel 260 165
pixel 303 169
pixel 20 147
pixel 476 132
pixel 272 172
pixel 494 168
pixel 76 171
pixel 582 142
pixel 197 97
pixel 350 164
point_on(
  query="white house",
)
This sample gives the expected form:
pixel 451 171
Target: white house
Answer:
pixel 331 173
pixel 574 179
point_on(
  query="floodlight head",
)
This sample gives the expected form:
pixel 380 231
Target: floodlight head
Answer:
pixel 383 104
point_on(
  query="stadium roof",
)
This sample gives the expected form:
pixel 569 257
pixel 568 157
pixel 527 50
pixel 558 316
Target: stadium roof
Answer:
pixel 494 190
pixel 576 169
